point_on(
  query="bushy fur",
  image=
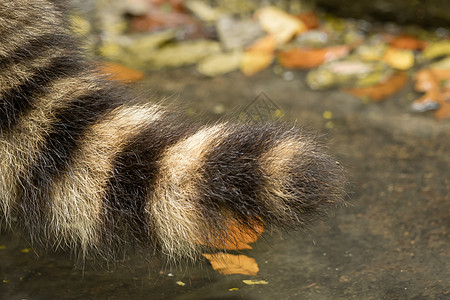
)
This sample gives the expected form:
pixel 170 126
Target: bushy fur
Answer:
pixel 81 167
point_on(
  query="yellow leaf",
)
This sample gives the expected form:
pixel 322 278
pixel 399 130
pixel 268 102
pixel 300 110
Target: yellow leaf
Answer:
pixel 226 264
pixel 280 24
pixel 26 250
pixel 266 44
pixel 253 281
pixel 398 58
pixel 253 62
pixel 437 49
pixel 219 64
pixel 258 56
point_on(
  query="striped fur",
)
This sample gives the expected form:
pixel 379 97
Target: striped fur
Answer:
pixel 83 168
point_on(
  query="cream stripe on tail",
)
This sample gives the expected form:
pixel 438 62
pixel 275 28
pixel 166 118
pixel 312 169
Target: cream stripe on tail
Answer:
pixel 173 206
pixel 79 194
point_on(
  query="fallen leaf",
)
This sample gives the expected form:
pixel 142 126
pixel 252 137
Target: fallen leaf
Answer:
pixel 203 11
pixel 308 58
pixel 280 24
pixel 443 112
pixel 437 49
pixel 253 63
pixel 381 90
pixel 235 236
pixel 180 283
pixel 120 72
pixel 371 52
pixel 405 41
pixel 399 59
pixel 219 64
pixel 431 79
pixel 266 44
pixel 436 85
pixel 183 54
pixel 310 19
pixel 253 281
pixel 226 264
pixel 157 20
pixel 258 56
pixel 348 73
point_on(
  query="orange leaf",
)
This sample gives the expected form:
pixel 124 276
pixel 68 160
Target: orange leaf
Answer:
pixel 226 264
pixel 406 41
pixel 443 112
pixel 120 73
pixel 266 44
pixel 235 236
pixel 436 95
pixel 258 56
pixel 310 58
pixel 310 19
pixel 381 90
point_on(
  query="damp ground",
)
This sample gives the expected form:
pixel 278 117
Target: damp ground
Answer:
pixel 391 241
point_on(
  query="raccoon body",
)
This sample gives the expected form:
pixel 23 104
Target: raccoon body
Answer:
pixel 82 167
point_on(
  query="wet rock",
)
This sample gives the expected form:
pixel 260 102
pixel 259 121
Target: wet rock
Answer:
pixel 237 33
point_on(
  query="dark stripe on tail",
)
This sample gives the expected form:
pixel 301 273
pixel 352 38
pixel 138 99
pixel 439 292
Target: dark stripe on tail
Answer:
pixel 36 47
pixel 20 99
pixel 61 143
pixel 129 189
pixel 233 176
pixel 316 181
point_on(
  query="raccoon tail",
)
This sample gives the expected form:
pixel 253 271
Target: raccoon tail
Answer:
pixel 80 166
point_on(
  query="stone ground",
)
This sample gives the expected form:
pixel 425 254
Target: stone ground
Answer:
pixel 392 240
